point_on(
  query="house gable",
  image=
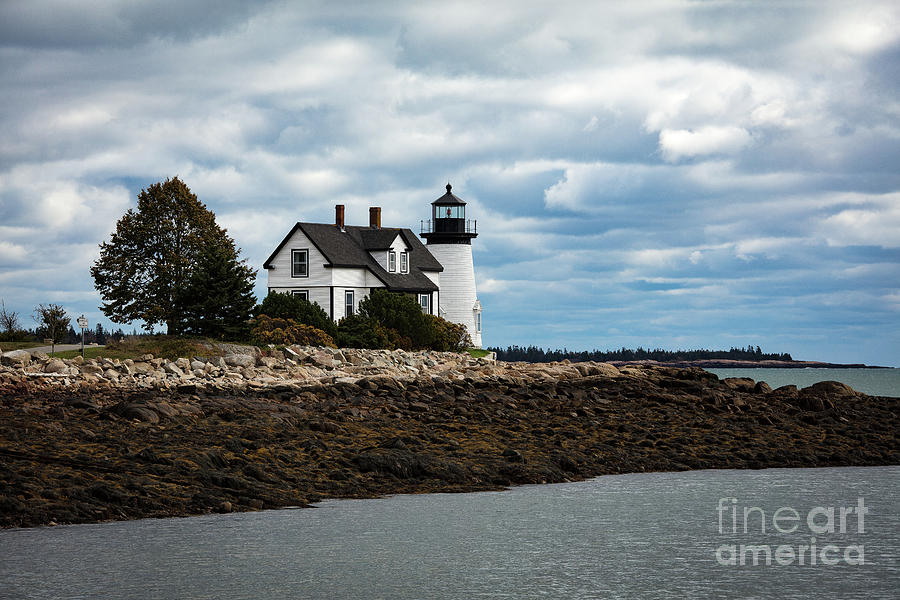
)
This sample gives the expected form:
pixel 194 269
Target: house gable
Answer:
pixel 280 268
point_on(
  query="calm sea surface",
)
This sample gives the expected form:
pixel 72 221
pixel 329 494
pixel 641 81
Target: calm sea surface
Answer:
pixel 652 535
pixel 875 382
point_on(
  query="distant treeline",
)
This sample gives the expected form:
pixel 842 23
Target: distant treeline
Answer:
pixel 96 335
pixel 538 355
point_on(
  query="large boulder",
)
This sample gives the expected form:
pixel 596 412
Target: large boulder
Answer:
pixel 830 389
pixel 16 358
pixel 741 384
pixel 141 368
pixel 173 368
pixel 227 349
pixel 240 360
pixel 822 395
pixel 55 366
pixel 91 369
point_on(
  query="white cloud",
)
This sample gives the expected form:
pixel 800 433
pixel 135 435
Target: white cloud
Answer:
pixel 877 224
pixel 492 286
pixel 769 247
pixel 11 254
pixel 865 28
pixel 599 145
pixel 587 186
pixel 683 143
pixel 658 257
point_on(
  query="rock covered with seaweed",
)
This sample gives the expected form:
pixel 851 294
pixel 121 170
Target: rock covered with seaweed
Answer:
pixel 98 440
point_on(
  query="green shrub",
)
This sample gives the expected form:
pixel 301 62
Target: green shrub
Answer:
pixel 401 313
pixel 286 306
pixel 447 336
pixel 391 320
pixel 357 331
pixel 285 332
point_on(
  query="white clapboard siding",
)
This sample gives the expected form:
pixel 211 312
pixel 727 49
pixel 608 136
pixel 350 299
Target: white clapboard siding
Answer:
pixel 279 275
pixel 457 283
pixel 434 276
pixel 348 277
pixel 339 296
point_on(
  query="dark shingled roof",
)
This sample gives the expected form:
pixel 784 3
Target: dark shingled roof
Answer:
pixel 448 198
pixel 351 247
pixel 377 239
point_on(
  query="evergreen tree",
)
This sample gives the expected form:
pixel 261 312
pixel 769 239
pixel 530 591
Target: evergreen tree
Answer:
pixel 218 298
pixel 100 335
pixel 152 253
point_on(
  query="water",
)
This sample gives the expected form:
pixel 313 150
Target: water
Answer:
pixel 875 382
pixel 625 536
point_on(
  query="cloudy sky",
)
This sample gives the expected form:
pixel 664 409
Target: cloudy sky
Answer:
pixel 656 174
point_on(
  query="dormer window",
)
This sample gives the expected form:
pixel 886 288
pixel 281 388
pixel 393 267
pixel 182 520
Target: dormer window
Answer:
pixel 392 261
pixel 404 262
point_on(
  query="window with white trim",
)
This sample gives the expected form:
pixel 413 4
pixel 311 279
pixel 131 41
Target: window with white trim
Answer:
pixel 425 303
pixel 392 261
pixel 404 262
pixel 301 293
pixel 348 303
pixel 300 263
pixel 478 322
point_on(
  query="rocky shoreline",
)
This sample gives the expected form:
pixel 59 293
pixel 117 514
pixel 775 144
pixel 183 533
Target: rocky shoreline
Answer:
pixel 87 441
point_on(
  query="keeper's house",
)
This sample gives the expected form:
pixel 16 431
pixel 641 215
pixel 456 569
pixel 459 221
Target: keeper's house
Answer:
pixel 337 265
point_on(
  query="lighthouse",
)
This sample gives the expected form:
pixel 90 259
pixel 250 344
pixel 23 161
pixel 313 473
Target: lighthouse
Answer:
pixel 449 236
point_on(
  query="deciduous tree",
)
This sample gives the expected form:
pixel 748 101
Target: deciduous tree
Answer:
pixel 9 320
pixel 150 257
pixel 52 323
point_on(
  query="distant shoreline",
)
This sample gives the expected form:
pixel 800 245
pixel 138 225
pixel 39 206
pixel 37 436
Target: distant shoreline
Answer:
pixel 746 364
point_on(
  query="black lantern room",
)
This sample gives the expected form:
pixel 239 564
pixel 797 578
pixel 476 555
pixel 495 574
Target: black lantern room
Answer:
pixel 448 224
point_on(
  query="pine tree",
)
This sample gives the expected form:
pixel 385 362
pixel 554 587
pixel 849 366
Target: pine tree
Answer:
pixel 218 298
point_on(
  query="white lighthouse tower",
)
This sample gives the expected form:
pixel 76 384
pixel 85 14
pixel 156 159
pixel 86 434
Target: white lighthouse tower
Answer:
pixel 449 238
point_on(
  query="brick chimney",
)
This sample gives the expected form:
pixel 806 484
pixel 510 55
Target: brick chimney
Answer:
pixel 339 216
pixel 375 217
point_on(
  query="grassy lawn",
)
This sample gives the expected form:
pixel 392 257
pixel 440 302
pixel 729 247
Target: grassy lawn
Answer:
pixel 160 346
pixel 7 346
pixel 94 352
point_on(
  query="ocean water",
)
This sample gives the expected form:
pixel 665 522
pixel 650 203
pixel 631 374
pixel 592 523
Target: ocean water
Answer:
pixel 652 535
pixel 875 382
